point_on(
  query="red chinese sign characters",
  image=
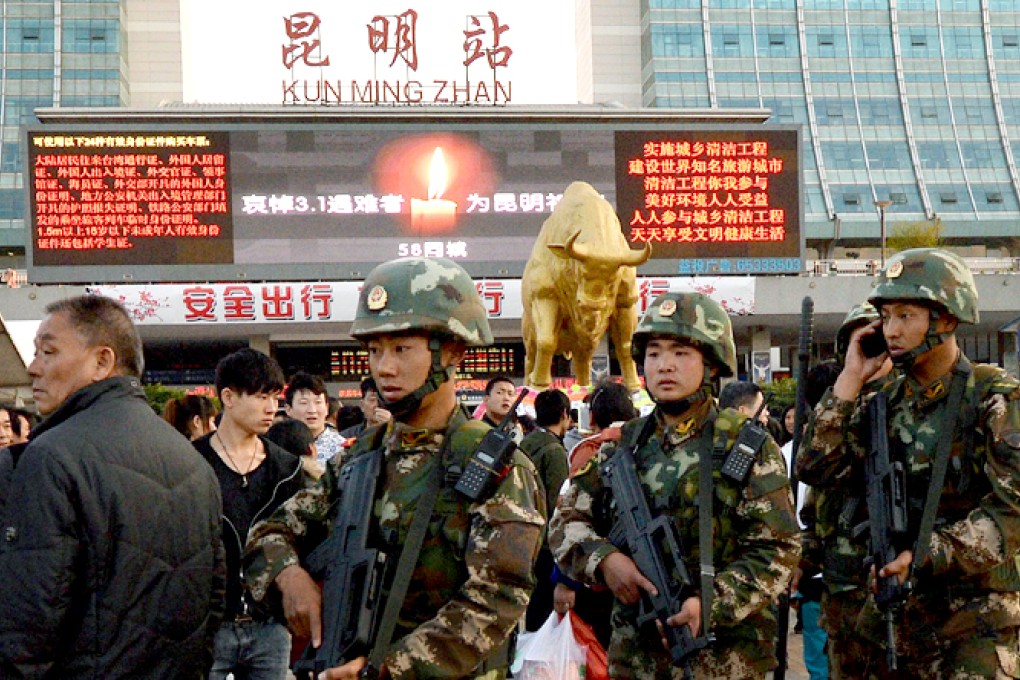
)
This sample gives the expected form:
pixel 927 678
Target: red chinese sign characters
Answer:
pixel 475 46
pixel 397 34
pixel 94 195
pixel 713 192
pixel 305 46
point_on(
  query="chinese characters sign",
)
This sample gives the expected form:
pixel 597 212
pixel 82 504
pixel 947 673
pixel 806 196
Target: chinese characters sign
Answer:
pixel 322 53
pixel 722 197
pixel 282 302
pixel 112 199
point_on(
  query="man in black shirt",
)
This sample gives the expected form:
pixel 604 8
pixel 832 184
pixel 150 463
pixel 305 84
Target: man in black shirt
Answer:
pixel 255 477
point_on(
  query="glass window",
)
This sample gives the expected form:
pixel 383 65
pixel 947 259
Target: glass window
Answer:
pixel 826 41
pixel 884 111
pixel 851 198
pixel 950 198
pixel 870 41
pixel 995 197
pixel 674 4
pixel 11 203
pixel 10 157
pixel 843 155
pixel 983 154
pixel 732 40
pixel 777 41
pixel 677 40
pixel 938 155
pixel 832 111
pixel 28 35
pixel 963 42
pixel 773 4
pixel 919 41
pixel 889 155
pixel 905 197
pixel 929 112
pixel 91 36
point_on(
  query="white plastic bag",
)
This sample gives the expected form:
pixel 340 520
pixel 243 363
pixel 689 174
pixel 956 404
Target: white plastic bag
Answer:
pixel 550 653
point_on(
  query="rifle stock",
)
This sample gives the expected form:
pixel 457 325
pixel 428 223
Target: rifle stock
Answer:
pixel 654 545
pixel 352 574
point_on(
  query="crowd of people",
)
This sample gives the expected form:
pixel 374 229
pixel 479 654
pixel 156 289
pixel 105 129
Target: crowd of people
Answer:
pixel 208 542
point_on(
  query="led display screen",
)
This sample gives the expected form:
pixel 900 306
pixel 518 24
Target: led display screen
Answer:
pixel 274 201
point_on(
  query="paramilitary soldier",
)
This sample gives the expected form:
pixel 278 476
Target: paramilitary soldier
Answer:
pixel 831 516
pixel 472 578
pixel 955 427
pixel 686 342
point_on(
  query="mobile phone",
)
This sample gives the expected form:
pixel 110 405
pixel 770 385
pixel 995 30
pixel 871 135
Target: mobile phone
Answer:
pixel 873 344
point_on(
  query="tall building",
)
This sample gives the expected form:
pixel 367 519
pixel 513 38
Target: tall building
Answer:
pixel 77 53
pixel 914 102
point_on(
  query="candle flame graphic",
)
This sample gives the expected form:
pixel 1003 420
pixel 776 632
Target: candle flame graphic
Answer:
pixel 437 174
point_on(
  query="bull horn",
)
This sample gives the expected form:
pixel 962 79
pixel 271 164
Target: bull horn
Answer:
pixel 636 258
pixel 576 251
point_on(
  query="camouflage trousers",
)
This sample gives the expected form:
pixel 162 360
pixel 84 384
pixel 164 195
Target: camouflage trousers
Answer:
pixel 994 655
pixel 848 652
pixel 639 655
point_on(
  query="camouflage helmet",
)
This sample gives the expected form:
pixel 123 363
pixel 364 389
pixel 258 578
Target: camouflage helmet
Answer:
pixel 929 275
pixel 859 315
pixel 421 294
pixel 695 318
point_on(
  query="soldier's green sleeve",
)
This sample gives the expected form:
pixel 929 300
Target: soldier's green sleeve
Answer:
pixel 575 537
pixel 989 534
pixel 553 471
pixel 275 542
pixel 826 453
pixel 769 543
pixel 812 550
pixel 502 546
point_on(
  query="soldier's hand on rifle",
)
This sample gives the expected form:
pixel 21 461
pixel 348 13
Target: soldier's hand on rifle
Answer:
pixel 302 603
pixel 624 579
pixel 350 670
pixel 900 568
pixel 690 615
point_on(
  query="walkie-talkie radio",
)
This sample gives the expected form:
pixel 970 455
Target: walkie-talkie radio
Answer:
pixel 745 450
pixel 491 460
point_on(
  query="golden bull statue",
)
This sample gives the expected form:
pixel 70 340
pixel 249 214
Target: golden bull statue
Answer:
pixel 579 282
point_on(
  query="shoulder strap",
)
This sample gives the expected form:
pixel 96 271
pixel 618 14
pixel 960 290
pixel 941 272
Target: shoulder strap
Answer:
pixel 961 375
pixel 409 558
pixel 707 567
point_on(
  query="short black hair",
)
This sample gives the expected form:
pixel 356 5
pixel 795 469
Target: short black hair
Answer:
pixel 303 380
pixel 103 322
pixel 495 381
pixel 820 378
pixel 349 416
pixel 611 403
pixel 739 393
pixel 248 371
pixel 550 405
pixel 368 385
pixel 291 435
pixel 16 414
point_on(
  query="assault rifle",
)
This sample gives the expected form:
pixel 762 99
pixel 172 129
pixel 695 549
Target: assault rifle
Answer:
pixel 654 545
pixel 887 519
pixel 353 574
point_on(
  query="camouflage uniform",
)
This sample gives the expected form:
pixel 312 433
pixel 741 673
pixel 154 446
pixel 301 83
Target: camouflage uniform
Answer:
pixel 962 618
pixel 756 544
pixel 830 546
pixel 474 573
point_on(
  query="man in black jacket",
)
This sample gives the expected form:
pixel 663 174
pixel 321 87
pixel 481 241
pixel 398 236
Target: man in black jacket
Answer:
pixel 111 562
pixel 255 476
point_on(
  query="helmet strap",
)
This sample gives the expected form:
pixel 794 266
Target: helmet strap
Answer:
pixel 438 374
pixel 932 339
pixel 680 406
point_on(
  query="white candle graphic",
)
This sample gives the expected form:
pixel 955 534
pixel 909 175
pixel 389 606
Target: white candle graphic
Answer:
pixel 435 214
